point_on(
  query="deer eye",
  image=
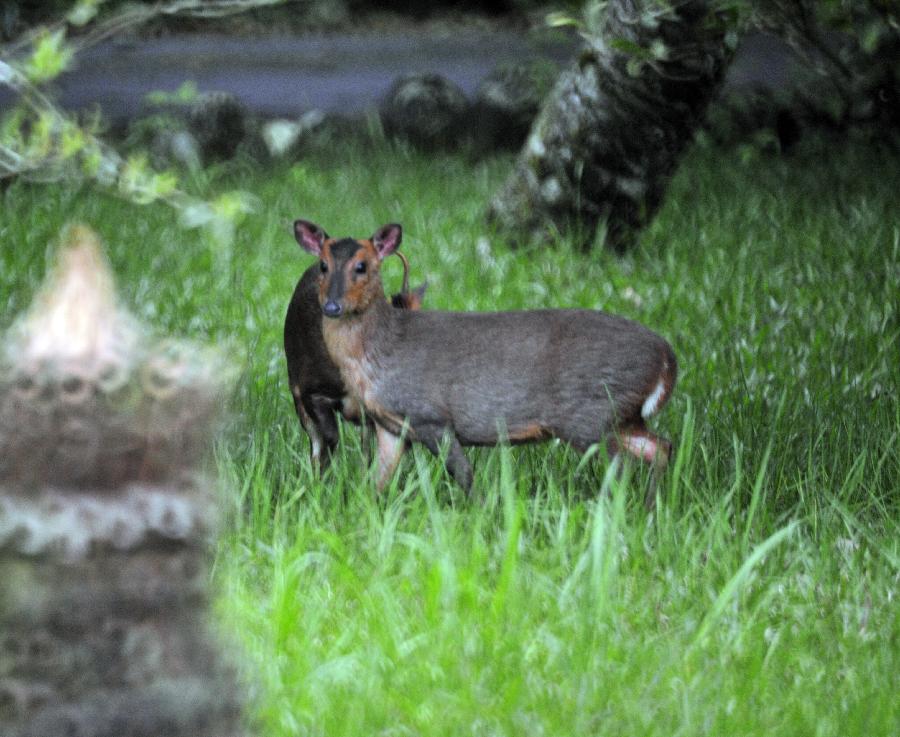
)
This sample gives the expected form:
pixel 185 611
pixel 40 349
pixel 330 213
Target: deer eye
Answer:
pixel 323 267
pixel 360 267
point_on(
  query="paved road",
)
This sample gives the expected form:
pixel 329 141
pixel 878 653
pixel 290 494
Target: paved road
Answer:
pixel 288 76
pixel 345 73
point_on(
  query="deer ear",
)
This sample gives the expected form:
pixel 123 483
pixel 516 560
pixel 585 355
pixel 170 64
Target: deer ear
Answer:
pixel 387 239
pixel 310 236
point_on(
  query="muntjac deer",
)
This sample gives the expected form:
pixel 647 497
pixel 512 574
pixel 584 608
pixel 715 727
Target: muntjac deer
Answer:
pixel 479 378
pixel 315 382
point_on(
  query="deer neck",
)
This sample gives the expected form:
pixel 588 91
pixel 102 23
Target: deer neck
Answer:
pixel 350 343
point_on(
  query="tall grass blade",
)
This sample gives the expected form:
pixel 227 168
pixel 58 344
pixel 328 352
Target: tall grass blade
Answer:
pixel 734 584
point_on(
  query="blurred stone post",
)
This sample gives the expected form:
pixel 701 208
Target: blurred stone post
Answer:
pixel 105 519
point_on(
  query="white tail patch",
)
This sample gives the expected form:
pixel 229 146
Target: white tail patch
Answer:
pixel 654 401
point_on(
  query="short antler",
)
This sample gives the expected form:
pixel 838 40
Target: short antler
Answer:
pixel 404 287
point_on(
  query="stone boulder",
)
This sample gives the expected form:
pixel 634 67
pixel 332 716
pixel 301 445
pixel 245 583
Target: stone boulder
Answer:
pixel 508 101
pixel 427 110
pixel 191 130
pixel 105 520
pixel 766 118
pixel 218 121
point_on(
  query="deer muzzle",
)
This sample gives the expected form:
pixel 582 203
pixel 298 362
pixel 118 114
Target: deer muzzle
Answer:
pixel 332 308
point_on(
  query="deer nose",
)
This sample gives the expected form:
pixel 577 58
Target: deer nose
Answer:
pixel 331 309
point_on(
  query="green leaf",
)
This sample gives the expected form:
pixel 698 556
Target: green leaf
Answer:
pixel 134 180
pixel 233 205
pixel 91 161
pixel 561 19
pixel 630 48
pixel 83 12
pixel 164 184
pixel 12 127
pixel 50 58
pixel 659 50
pixel 871 37
pixel 187 92
pixel 734 585
pixel 40 140
pixel 72 140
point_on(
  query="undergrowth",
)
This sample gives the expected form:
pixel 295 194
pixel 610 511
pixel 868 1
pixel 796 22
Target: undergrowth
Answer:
pixel 758 598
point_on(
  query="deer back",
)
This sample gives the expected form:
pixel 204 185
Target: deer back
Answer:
pixel 539 373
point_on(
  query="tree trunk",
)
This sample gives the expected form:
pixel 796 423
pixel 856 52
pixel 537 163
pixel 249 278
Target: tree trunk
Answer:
pixel 614 127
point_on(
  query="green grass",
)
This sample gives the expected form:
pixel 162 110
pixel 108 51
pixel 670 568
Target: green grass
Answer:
pixel 759 598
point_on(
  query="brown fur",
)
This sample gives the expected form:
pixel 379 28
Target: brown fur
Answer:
pixel 317 390
pixel 464 378
pixel 532 432
pixel 360 289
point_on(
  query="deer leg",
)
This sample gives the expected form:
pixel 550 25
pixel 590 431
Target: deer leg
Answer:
pixel 457 464
pixel 312 431
pixel 647 447
pixel 353 411
pixel 390 450
pixel 365 437
pixel 317 415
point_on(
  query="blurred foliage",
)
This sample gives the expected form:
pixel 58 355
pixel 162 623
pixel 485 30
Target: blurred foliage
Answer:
pixel 853 47
pixel 40 142
pixel 186 93
pixel 41 11
pixel 850 49
pixel 845 77
pixel 49 58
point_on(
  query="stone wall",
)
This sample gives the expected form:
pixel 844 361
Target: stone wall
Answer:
pixel 105 519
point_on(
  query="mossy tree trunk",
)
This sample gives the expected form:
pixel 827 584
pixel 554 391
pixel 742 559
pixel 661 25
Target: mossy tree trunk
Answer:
pixel 615 125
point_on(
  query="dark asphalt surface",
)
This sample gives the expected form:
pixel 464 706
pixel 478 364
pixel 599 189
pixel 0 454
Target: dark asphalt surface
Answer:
pixel 285 77
pixel 342 73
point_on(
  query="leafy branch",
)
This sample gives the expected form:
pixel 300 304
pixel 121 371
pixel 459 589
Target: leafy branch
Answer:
pixel 40 142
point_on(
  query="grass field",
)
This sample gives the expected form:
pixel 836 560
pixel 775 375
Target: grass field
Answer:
pixel 760 598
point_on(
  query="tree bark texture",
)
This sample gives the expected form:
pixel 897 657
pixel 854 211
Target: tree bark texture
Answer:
pixel 614 127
